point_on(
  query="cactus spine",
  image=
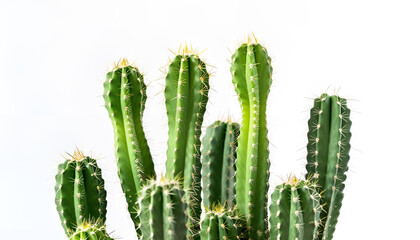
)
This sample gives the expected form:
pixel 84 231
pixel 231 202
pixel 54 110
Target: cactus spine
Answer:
pixel 125 97
pixel 251 72
pixel 295 211
pixel 162 211
pixel 88 231
pixel 80 193
pixel 187 85
pixel 328 154
pixel 219 156
pixel 223 224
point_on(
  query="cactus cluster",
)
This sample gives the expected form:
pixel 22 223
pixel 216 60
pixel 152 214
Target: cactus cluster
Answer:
pixel 217 187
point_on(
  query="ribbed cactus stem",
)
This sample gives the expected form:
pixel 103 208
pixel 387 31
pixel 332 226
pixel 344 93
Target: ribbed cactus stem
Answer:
pixel 125 97
pixel 251 71
pixel 219 156
pixel 187 85
pixel 328 154
pixel 87 231
pixel 80 193
pixel 295 211
pixel 223 224
pixel 162 210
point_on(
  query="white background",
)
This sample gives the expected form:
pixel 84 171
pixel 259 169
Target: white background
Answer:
pixel 54 56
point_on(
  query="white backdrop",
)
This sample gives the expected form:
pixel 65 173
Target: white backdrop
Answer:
pixel 54 56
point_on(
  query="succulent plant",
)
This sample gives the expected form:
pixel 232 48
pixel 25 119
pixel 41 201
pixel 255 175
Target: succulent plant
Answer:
pixel 234 164
pixel 295 211
pixel 219 156
pixel 328 155
pixel 80 194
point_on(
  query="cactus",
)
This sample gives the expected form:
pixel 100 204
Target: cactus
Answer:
pixel 295 211
pixel 162 211
pixel 125 97
pixel 87 231
pixel 223 224
pixel 328 154
pixel 219 156
pixel 251 72
pixel 187 85
pixel 80 193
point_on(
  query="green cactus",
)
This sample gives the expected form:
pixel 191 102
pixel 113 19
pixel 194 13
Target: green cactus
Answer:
pixel 162 211
pixel 219 156
pixel 80 194
pixel 125 97
pixel 186 90
pixel 295 211
pixel 328 154
pixel 223 224
pixel 87 231
pixel 251 71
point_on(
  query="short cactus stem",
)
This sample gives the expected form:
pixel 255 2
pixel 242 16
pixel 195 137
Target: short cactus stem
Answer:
pixel 295 211
pixel 219 156
pixel 251 75
pixel 125 98
pixel 80 193
pixel 87 231
pixel 162 211
pixel 328 154
pixel 223 224
pixel 186 90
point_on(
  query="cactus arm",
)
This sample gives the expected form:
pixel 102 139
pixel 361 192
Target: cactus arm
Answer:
pixel 251 72
pixel 218 160
pixel 162 211
pixel 295 211
pixel 221 223
pixel 80 193
pixel 212 158
pixel 328 154
pixel 186 98
pixel 125 96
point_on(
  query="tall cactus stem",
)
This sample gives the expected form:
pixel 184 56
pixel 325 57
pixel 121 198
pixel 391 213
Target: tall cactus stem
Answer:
pixel 125 98
pixel 251 75
pixel 328 154
pixel 186 95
